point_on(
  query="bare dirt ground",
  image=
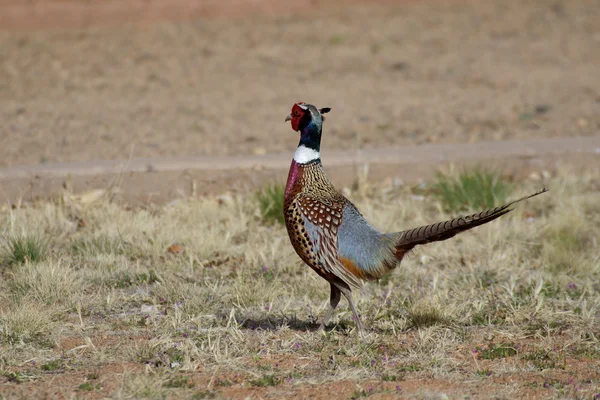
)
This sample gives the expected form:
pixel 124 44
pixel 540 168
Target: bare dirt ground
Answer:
pixel 44 14
pixel 156 181
pixel 399 74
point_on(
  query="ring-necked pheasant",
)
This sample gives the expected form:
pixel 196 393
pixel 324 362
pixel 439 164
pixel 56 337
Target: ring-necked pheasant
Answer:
pixel 330 234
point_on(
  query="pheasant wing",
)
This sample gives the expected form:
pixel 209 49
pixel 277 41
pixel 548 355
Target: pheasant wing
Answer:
pixel 322 219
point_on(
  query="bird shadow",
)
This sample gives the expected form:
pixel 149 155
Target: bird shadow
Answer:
pixel 275 323
pixel 312 324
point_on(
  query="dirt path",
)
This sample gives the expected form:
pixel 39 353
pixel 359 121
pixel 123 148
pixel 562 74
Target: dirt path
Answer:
pixel 18 15
pixel 159 180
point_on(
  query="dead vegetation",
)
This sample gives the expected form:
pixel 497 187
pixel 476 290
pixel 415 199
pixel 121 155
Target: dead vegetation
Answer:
pixel 202 298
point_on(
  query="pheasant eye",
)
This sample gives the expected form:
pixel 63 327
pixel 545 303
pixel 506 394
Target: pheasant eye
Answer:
pixel 296 113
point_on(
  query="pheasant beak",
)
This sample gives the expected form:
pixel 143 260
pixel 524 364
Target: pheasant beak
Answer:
pixel 288 118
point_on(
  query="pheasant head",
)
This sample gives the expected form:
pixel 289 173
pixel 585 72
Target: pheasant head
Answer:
pixel 308 120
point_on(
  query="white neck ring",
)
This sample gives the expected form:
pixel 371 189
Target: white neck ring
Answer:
pixel 304 155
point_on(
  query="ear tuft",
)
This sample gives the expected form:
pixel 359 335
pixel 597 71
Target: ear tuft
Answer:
pixel 324 110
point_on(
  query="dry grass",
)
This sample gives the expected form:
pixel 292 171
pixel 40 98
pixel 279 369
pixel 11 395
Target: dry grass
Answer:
pixel 510 309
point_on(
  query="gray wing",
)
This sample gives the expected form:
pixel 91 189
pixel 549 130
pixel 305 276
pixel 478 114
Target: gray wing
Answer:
pixel 371 251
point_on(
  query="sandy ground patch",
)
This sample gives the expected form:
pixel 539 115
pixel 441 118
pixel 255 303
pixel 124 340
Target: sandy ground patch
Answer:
pixel 399 74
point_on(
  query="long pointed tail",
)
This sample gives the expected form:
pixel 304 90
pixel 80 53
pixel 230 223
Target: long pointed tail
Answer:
pixel 406 240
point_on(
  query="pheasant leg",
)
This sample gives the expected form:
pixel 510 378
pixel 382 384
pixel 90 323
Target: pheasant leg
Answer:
pixel 359 325
pixel 334 299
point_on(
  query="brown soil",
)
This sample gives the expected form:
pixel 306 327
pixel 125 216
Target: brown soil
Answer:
pixel 43 14
pixel 400 74
pixel 163 180
pixel 576 376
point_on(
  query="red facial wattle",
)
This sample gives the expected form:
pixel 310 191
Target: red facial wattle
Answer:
pixel 296 115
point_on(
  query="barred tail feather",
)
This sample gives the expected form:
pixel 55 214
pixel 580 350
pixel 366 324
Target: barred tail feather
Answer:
pixel 406 240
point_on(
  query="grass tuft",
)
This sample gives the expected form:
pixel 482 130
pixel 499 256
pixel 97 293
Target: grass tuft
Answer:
pixel 266 380
pixel 497 350
pixel 27 323
pixel 471 190
pixel 337 39
pixel 88 387
pixel 542 359
pixel 422 315
pixel 270 202
pixel 17 377
pixel 179 382
pixel 53 365
pixel 21 249
pixel 567 243
pixel 50 282
pixel 98 245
